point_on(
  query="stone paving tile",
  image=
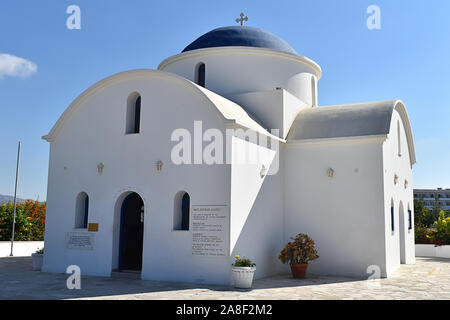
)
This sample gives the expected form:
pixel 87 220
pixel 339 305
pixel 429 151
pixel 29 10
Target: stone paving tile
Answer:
pixel 428 279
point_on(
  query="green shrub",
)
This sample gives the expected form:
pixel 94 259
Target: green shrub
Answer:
pixel 423 234
pixel 442 234
pixel 242 262
pixel 423 215
pixel 30 221
pixel 300 251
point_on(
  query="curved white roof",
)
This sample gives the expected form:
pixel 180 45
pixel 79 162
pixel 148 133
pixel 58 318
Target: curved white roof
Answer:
pixel 228 109
pixel 351 120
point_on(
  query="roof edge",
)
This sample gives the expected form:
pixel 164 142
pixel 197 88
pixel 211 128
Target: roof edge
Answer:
pixel 210 97
pixel 401 109
pixel 397 105
pixel 243 50
pixel 375 137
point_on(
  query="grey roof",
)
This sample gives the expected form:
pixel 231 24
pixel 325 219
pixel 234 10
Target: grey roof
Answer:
pixel 352 120
pixel 240 36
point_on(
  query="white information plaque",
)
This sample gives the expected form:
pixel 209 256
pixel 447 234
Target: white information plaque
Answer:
pixel 80 240
pixel 209 230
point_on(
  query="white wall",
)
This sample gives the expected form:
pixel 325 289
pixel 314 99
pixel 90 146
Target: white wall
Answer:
pixel 430 250
pixel 20 248
pixel 344 215
pixel 94 134
pixel 256 209
pixel 274 109
pixel 393 164
pixel 232 71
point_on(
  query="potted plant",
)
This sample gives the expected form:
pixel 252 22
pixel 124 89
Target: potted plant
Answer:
pixel 38 257
pixel 242 272
pixel 298 253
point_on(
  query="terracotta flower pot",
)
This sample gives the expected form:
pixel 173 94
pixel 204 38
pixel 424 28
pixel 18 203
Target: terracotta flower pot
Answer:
pixel 298 270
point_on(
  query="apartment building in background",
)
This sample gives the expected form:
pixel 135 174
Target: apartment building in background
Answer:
pixel 433 197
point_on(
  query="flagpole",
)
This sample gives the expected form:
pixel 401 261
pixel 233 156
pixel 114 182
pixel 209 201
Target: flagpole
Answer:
pixel 15 196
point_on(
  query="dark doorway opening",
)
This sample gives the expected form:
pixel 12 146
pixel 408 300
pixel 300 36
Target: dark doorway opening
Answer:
pixel 131 233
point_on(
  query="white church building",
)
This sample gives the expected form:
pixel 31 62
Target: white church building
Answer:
pixel 171 172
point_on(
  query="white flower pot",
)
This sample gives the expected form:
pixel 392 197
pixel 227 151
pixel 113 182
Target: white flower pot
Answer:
pixel 243 276
pixel 37 261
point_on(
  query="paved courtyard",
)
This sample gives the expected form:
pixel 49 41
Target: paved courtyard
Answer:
pixel 429 278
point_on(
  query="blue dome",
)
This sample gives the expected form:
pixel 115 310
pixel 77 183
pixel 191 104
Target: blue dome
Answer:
pixel 240 36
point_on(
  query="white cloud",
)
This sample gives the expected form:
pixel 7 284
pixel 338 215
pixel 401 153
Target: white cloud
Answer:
pixel 15 66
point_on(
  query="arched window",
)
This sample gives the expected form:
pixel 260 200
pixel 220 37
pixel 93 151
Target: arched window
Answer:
pixel 182 204
pixel 133 124
pixel 392 216
pixel 399 139
pixel 410 225
pixel 185 206
pixel 82 211
pixel 200 74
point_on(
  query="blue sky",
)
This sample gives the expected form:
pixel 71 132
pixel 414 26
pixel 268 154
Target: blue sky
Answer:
pixel 407 59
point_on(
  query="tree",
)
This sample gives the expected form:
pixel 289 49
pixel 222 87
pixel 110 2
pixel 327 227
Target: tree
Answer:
pixel 422 215
pixel 435 212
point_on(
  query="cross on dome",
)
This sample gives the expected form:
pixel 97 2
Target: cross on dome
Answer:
pixel 242 19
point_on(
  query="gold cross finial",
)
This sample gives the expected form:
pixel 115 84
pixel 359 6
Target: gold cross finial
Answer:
pixel 242 19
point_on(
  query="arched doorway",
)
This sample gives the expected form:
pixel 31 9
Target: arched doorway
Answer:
pixel 131 233
pixel 402 233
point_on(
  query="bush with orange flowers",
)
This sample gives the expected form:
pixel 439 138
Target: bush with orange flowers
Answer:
pixel 30 221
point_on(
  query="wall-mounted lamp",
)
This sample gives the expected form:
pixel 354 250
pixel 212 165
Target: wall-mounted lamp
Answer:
pixel 159 166
pixel 406 184
pixel 330 173
pixel 395 179
pixel 100 167
pixel 263 172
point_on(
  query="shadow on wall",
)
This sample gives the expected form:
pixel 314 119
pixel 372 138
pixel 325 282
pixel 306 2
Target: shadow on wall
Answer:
pixel 261 238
